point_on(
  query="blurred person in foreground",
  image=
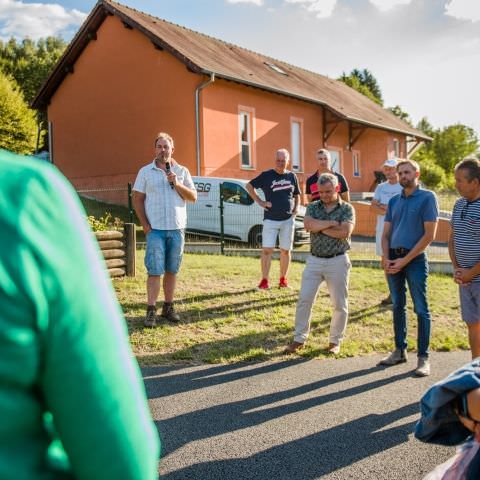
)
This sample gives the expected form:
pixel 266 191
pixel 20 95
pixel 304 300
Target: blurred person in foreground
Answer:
pixel 72 402
pixel 464 247
pixel 382 195
pixel 450 414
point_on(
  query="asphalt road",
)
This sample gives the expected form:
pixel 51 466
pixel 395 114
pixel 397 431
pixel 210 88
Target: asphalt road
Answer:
pixel 294 420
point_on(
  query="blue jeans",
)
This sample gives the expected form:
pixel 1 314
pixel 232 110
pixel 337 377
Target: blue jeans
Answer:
pixel 415 275
pixel 164 251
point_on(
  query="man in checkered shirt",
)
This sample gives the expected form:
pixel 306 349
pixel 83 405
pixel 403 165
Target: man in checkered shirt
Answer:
pixel 160 193
pixel 330 221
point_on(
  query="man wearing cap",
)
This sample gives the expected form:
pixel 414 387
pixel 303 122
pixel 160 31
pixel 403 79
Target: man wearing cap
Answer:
pixel 324 160
pixel 410 226
pixel 330 221
pixel 383 193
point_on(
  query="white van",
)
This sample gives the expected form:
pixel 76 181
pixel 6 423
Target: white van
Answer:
pixel 243 217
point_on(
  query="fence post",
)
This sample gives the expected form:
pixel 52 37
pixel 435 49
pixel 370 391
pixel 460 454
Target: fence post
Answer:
pixel 130 206
pixel 130 235
pixel 222 235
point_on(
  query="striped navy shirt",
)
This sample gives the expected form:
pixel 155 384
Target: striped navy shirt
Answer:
pixel 465 223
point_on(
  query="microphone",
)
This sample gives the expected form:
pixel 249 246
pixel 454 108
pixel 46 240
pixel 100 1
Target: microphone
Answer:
pixel 168 170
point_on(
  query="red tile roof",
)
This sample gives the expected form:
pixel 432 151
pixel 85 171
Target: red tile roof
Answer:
pixel 205 55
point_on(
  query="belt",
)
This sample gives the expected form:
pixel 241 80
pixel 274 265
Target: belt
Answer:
pixel 328 256
pixel 399 251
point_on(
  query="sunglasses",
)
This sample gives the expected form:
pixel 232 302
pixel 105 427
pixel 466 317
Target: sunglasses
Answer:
pixel 462 408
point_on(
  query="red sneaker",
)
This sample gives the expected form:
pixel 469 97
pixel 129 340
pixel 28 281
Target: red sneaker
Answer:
pixel 263 285
pixel 283 283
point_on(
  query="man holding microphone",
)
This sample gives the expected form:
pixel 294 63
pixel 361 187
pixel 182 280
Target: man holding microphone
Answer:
pixel 160 193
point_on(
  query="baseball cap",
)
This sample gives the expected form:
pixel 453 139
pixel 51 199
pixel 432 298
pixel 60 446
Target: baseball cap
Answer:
pixel 391 162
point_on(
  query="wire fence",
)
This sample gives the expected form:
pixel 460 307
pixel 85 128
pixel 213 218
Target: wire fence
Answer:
pixel 225 219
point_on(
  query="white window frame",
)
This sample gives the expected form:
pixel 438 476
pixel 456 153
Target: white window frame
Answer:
pixel 331 149
pixel 249 113
pixel 356 164
pixel 296 163
pixel 396 147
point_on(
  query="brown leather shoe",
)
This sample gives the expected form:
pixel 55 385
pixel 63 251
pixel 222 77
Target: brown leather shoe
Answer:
pixel 169 313
pixel 293 347
pixel 150 318
pixel 333 348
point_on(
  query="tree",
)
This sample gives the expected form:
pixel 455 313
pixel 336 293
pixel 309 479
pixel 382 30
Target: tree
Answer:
pixel 452 144
pixel 29 63
pixel 18 126
pixel 439 157
pixel 401 114
pixel 364 82
pixel 426 127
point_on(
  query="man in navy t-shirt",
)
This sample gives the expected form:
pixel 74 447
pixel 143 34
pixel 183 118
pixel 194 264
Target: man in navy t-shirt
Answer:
pixel 280 187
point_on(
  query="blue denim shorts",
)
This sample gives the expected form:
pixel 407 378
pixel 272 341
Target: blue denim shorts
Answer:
pixel 164 251
pixel 470 302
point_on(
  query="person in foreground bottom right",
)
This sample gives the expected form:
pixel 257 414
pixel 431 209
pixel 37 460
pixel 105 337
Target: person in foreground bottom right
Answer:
pixel 450 414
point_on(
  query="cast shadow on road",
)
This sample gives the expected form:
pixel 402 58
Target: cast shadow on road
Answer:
pixel 312 456
pixel 161 382
pixel 229 417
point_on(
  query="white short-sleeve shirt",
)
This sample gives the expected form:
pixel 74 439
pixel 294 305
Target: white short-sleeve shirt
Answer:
pixel 383 193
pixel 164 207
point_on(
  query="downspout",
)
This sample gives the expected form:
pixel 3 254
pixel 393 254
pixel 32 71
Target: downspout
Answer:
pixel 197 115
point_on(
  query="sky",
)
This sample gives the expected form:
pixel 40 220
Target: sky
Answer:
pixel 425 54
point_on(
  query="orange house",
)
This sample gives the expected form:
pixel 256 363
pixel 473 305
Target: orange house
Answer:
pixel 127 75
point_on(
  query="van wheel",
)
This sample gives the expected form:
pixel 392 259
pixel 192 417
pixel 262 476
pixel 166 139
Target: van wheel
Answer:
pixel 255 237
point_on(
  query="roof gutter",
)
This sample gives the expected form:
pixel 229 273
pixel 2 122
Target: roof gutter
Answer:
pixel 341 115
pixel 197 116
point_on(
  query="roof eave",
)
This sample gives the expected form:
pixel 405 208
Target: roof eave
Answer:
pixel 94 21
pixel 81 40
pixel 342 115
pixel 69 57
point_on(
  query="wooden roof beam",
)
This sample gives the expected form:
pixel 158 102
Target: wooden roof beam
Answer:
pixel 354 133
pixel 415 145
pixel 326 123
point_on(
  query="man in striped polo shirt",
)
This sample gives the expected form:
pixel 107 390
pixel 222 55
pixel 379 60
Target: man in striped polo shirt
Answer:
pixel 464 247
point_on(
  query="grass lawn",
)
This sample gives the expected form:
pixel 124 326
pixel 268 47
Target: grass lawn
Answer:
pixel 225 319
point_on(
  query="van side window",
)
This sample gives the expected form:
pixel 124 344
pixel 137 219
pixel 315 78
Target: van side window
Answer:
pixel 233 193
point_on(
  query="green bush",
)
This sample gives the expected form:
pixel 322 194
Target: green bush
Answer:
pixel 104 223
pixel 433 175
pixel 18 125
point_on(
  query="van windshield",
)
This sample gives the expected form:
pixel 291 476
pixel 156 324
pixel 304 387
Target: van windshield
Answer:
pixel 234 193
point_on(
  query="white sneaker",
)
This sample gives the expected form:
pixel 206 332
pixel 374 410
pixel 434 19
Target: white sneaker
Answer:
pixel 396 357
pixel 423 367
